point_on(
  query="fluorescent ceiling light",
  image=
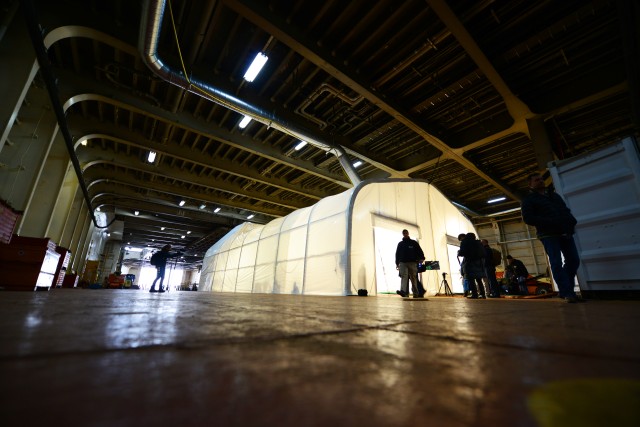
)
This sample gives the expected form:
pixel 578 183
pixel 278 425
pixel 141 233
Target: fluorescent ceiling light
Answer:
pixel 497 199
pixel 152 156
pixel 132 249
pixel 300 145
pixel 356 164
pixel 84 143
pixel 250 216
pixel 188 232
pixel 136 213
pixel 202 206
pixel 255 67
pixel 182 202
pixel 244 122
pixel 182 237
pixel 216 210
pixel 98 209
pixel 162 228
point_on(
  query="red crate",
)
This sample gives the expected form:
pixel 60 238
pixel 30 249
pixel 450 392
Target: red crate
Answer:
pixel 8 221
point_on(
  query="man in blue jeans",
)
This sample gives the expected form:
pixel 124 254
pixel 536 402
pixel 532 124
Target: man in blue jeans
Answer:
pixel 555 225
pixel 408 255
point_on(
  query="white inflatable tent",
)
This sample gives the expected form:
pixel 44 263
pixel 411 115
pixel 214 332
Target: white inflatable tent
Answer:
pixel 341 244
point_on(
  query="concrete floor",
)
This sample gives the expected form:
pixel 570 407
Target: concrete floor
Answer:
pixel 77 357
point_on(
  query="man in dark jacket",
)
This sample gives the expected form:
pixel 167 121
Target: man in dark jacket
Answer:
pixel 473 265
pixel 517 274
pixel 408 255
pixel 555 226
pixel 491 281
pixel 161 264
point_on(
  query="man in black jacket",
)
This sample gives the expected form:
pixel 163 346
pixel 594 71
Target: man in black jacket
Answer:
pixel 490 269
pixel 473 265
pixel 555 227
pixel 408 254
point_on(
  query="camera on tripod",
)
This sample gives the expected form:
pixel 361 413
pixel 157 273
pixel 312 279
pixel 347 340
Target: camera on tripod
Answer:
pixel 428 265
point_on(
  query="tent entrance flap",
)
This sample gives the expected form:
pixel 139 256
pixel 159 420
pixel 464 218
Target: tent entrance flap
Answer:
pixel 455 278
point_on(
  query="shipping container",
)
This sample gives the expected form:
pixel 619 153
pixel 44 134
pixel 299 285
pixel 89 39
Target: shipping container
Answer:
pixel 602 189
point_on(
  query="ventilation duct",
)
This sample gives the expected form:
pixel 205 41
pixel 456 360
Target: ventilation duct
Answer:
pixel 150 26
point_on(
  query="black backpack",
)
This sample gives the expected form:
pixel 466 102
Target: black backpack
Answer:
pixel 155 259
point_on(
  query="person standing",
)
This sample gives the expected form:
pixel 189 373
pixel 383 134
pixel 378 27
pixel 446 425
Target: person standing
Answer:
pixel 555 225
pixel 473 264
pixel 408 255
pixel 490 269
pixel 159 260
pixel 465 282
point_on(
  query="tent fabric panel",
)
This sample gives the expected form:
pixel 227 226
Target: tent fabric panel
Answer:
pixel 327 235
pixel 263 278
pixel 229 281
pixel 265 264
pixel 249 254
pixel 325 274
pixel 297 219
pixel 253 234
pixel 272 228
pixel 331 205
pixel 267 250
pixel 289 277
pixel 290 261
pixel 244 279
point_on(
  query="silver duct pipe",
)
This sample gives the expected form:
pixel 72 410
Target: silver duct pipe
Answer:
pixel 150 26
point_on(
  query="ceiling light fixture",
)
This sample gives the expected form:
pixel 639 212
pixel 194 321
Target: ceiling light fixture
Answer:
pixel 300 145
pixel 497 199
pixel 188 232
pixel 152 156
pixel 162 228
pixel 255 67
pixel 357 163
pixel 244 122
pixel 250 216
pixel 216 210
pixel 136 213
pixel 182 237
pixel 182 202
pixel 202 206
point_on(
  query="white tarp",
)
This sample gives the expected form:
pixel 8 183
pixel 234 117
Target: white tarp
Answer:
pixel 341 244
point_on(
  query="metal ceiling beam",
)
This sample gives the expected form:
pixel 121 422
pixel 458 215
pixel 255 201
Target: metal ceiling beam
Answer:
pixel 76 89
pixel 89 156
pixel 259 13
pixel 154 188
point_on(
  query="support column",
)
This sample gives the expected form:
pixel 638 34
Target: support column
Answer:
pixel 63 207
pixel 24 157
pixel 39 212
pixel 541 143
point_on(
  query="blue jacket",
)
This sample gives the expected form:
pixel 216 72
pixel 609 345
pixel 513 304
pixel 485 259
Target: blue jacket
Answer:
pixel 548 213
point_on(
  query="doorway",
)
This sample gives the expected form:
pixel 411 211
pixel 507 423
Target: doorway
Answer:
pixel 386 235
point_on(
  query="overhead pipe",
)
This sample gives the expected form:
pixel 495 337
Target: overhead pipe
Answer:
pixel 150 27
